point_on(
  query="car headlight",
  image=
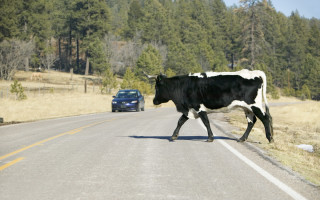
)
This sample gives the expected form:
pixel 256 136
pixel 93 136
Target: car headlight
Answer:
pixel 114 102
pixel 134 101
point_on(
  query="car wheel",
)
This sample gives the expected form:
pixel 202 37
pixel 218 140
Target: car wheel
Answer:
pixel 142 109
pixel 113 111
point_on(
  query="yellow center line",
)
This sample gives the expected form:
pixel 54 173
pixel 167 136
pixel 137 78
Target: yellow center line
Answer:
pixel 54 137
pixel 10 163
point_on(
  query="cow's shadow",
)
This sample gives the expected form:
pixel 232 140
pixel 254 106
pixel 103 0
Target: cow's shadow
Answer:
pixel 196 138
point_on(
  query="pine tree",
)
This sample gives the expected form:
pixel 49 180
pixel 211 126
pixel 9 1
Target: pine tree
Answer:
pixel 154 28
pixel 92 22
pixel 182 60
pixel 109 81
pixel 149 62
pixel 252 33
pixel 313 46
pixel 135 15
pixel 311 74
pixel 97 57
pixel 18 90
pixel 129 80
pixel 9 19
pixel 35 22
pixel 296 47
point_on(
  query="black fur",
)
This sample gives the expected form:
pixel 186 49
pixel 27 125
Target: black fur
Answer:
pixel 189 92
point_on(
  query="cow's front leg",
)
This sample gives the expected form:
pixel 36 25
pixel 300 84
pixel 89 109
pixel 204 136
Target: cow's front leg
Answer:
pixel 204 117
pixel 251 121
pixel 181 121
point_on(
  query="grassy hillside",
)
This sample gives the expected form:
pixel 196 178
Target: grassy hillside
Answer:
pixel 55 94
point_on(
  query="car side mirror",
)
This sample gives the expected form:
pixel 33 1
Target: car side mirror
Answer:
pixel 113 96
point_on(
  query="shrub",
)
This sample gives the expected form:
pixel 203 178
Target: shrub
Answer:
pixel 275 94
pixel 17 88
pixel 109 81
pixel 288 92
pixel 130 81
pixel 305 91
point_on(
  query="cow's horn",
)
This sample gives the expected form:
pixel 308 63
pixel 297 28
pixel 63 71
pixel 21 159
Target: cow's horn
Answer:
pixel 150 76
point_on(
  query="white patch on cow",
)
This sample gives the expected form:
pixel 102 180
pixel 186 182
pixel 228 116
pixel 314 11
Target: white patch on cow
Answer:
pixel 237 103
pixel 192 114
pixel 243 73
pixel 203 108
pixel 258 100
pixel 196 74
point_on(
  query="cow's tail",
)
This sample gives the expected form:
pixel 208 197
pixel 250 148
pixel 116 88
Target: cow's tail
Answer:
pixel 264 91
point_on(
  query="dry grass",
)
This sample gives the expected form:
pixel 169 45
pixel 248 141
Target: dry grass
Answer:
pixel 57 105
pixel 293 124
pixel 52 81
pixel 59 96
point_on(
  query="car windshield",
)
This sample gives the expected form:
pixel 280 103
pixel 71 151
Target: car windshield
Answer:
pixel 127 94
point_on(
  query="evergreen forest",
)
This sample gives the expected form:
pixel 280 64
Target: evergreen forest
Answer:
pixel 125 38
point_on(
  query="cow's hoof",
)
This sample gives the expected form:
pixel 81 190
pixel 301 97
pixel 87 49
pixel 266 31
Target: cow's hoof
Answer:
pixel 271 140
pixel 173 138
pixel 210 140
pixel 241 140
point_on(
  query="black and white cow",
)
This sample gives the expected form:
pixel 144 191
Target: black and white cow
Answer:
pixel 197 94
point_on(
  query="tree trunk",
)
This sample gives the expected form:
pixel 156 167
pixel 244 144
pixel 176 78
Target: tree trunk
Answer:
pixel 70 47
pixel 59 45
pixel 85 85
pixel 232 65
pixel 71 74
pixel 26 64
pixel 87 67
pixel 86 74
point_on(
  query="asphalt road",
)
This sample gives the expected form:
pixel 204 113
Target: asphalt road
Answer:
pixel 129 156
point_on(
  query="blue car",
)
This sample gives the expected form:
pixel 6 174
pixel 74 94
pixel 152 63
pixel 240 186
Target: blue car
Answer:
pixel 128 100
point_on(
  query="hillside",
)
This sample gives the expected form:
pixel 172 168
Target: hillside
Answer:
pixel 55 95
pixel 162 35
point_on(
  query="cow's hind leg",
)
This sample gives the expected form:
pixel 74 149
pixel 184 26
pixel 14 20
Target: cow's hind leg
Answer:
pixel 251 118
pixel 266 119
pixel 181 121
pixel 204 117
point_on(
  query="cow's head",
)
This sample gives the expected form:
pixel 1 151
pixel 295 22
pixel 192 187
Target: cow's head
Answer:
pixel 162 93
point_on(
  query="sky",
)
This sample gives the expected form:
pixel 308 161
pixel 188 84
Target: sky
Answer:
pixel 306 8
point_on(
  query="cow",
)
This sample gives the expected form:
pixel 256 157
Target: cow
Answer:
pixel 197 94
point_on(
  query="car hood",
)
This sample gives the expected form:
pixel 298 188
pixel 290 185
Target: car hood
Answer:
pixel 125 99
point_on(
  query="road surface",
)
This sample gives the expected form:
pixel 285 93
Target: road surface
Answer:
pixel 129 156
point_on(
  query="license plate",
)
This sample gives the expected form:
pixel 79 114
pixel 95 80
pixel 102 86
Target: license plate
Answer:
pixel 123 106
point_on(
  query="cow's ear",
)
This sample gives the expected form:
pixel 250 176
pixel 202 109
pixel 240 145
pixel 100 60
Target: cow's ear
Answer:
pixel 160 79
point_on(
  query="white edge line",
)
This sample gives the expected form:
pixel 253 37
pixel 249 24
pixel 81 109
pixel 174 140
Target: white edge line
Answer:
pixel 267 175
pixel 264 173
